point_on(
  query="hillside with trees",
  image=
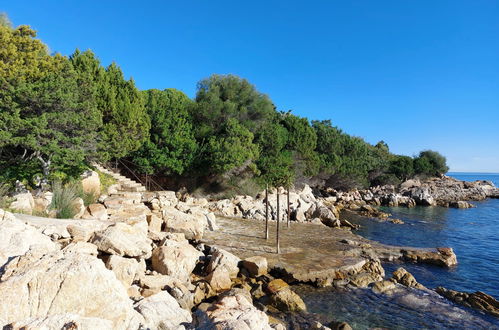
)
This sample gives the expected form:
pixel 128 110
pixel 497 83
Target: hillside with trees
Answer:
pixel 58 114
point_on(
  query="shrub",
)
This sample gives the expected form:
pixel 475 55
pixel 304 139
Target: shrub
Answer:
pixel 63 200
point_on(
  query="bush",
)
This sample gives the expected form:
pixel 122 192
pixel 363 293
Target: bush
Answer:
pixel 4 198
pixel 63 200
pixel 430 163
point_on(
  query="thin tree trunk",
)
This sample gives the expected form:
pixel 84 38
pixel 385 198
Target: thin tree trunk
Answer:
pixel 289 211
pixel 278 250
pixel 267 212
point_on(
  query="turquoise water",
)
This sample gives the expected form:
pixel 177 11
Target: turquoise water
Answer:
pixel 474 236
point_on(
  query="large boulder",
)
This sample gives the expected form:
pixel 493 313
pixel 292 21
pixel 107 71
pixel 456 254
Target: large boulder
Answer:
pixel 256 266
pixel 16 238
pixel 64 282
pixel 283 298
pixel 23 203
pixel 91 183
pixel 61 321
pixel 177 259
pixel 192 225
pixel 221 259
pixel 98 211
pixel 232 312
pixel 124 239
pixel 161 311
pixel 125 269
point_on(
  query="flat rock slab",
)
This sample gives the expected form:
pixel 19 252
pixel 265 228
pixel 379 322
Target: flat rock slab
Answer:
pixel 309 252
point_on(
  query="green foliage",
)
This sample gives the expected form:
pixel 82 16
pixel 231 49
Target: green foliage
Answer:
pixel 232 151
pixel 402 167
pixel 430 163
pixel 222 97
pixel 106 181
pixel 45 117
pixel 4 197
pixel 171 146
pixel 275 162
pixel 63 200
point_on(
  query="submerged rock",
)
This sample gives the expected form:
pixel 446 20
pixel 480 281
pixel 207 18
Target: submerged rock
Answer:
pixel 477 300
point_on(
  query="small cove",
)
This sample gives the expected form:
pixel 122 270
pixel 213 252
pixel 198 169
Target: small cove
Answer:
pixel 472 233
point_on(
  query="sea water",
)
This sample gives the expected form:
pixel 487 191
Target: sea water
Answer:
pixel 472 233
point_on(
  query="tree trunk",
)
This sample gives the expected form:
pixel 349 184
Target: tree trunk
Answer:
pixel 289 210
pixel 267 212
pixel 278 249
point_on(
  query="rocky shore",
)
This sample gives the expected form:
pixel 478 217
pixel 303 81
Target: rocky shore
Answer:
pixel 159 260
pixel 324 206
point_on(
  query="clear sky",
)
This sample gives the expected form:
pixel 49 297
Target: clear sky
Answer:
pixel 417 74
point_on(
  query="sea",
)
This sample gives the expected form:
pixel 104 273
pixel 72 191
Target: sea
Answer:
pixel 474 236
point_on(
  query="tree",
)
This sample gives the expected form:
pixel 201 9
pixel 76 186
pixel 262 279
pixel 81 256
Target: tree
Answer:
pixel 47 125
pixel 171 146
pixel 232 151
pixel 275 163
pixel 221 97
pixel 302 141
pixel 402 167
pixel 431 163
pixel 125 121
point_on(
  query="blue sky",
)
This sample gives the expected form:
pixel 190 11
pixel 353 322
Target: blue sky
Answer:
pixel 416 74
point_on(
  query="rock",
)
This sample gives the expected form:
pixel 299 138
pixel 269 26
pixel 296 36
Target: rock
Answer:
pixel 17 238
pixel 124 240
pixel 286 300
pixel 231 312
pixel 176 259
pixel 442 257
pixel 461 205
pixel 64 282
pixel 91 183
pixel 81 247
pixel 212 221
pixel 276 285
pixel 125 269
pixel 477 300
pixel 154 222
pixel 161 311
pixel 256 266
pixel 64 321
pixel 79 207
pixel 383 286
pixel 80 233
pixel 362 280
pixel 98 211
pixel 226 260
pixel 423 197
pixel 157 282
pixel 179 222
pixel 403 277
pixel 219 279
pixel 23 203
pixel 42 202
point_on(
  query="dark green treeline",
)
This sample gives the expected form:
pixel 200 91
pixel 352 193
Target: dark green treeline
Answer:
pixel 58 114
